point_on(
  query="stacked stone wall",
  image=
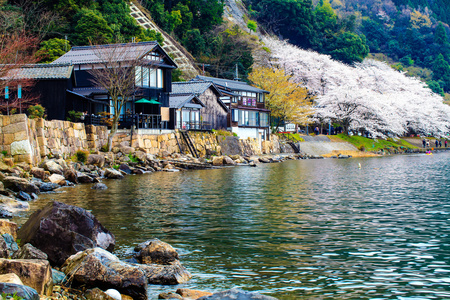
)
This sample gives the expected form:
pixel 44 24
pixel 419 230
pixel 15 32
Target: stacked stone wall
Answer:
pixel 29 140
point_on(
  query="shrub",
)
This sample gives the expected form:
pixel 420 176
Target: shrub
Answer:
pixel 36 111
pixel 104 148
pixel 74 116
pixel 82 156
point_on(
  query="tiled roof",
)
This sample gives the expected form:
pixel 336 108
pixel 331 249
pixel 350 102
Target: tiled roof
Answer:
pixel 178 101
pixel 93 54
pixel 86 91
pixel 43 71
pixel 191 87
pixel 233 85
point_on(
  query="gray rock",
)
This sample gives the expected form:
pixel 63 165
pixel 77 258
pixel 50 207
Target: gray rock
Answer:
pixel 75 228
pixel 228 161
pixel 113 174
pixel 25 292
pixel 28 251
pixel 236 294
pixel 58 277
pixel 84 178
pixel 166 274
pixel 98 268
pixel 96 160
pixel 71 175
pixel 155 251
pixel 125 168
pixel 264 160
pixel 23 196
pixel 48 187
pixel 38 173
pixel 10 243
pixel 99 186
pixel 17 184
pixel 52 166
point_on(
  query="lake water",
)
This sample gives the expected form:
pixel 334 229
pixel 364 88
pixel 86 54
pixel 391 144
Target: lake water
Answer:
pixel 308 229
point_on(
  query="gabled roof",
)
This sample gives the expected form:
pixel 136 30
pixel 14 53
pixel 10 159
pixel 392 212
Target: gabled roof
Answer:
pixel 42 71
pixel 124 52
pixel 232 85
pixel 184 100
pixel 193 87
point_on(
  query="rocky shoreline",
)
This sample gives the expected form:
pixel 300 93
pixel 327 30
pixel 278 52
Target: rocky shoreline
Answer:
pixel 61 260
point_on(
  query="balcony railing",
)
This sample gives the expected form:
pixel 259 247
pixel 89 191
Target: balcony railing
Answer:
pixel 141 121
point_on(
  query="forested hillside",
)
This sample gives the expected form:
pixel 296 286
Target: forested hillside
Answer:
pixel 411 34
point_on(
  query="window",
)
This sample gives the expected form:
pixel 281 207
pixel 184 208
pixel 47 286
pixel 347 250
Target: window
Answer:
pixel 145 77
pixel 235 115
pixel 248 99
pixel 261 97
pixel 138 76
pixel 160 79
pixel 264 120
pixel 152 78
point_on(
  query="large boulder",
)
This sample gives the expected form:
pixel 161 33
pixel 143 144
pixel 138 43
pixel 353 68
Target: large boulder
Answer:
pixel 34 273
pixel 17 184
pixel 22 291
pixel 61 230
pixel 99 268
pixel 155 251
pixel 236 294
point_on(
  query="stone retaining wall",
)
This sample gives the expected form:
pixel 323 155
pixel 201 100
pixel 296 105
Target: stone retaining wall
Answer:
pixel 29 140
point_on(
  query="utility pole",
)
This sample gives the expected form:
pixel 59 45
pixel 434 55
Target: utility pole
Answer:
pixel 237 73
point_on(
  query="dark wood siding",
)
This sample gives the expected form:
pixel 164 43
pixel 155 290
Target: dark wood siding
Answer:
pixel 52 96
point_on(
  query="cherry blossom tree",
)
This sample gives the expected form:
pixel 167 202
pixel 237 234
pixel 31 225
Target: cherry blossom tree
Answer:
pixel 366 97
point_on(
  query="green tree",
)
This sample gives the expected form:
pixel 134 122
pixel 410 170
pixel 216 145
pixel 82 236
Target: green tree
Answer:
pixel 92 27
pixel 52 49
pixel 252 25
pixel 441 71
pixel 440 36
pixel 117 15
pixel 293 19
pixel 435 87
pixel 349 47
pixel 194 42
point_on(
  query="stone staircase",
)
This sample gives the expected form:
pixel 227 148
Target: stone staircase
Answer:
pixel 181 56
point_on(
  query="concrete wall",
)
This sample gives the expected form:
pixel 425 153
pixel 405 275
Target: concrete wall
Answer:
pixel 30 140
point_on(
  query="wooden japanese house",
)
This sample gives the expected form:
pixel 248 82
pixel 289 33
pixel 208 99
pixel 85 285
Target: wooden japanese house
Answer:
pixel 153 82
pixel 196 105
pixel 247 116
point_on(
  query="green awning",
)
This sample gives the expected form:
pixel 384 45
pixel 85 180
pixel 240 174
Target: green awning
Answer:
pixel 143 100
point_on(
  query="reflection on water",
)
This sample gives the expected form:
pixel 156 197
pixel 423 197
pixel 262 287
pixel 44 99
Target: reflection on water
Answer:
pixel 321 229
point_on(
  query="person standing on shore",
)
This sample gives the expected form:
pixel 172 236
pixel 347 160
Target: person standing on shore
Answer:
pixel 445 143
pixel 440 144
pixel 436 143
pixel 424 143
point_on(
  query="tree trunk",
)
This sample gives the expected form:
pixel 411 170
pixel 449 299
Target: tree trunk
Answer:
pixel 113 131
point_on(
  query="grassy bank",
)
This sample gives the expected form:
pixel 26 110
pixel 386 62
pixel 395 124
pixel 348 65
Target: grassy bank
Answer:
pixel 366 144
